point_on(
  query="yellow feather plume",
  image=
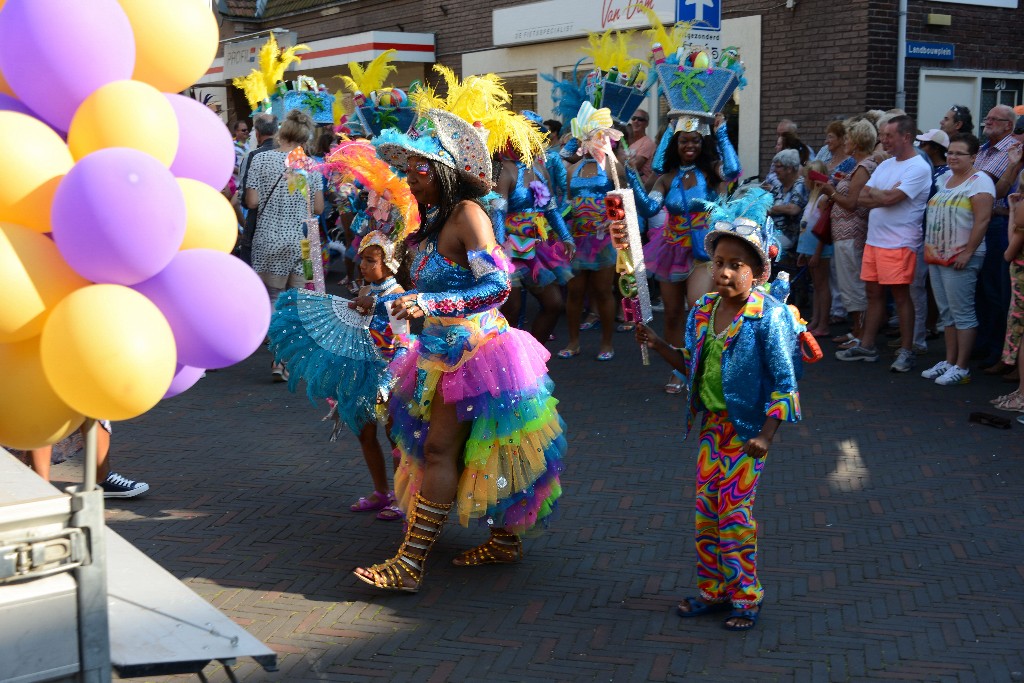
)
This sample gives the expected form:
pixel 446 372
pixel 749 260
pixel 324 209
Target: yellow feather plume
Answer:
pixel 670 40
pixel 484 99
pixel 259 83
pixel 610 50
pixel 372 77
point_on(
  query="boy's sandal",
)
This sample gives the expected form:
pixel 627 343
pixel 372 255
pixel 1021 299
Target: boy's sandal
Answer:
pixel 750 614
pixel 699 607
pixel 375 501
pixel 568 353
pixel 589 323
pixel 625 327
pixel 391 513
pixel 674 388
pixel 990 420
pixel 605 356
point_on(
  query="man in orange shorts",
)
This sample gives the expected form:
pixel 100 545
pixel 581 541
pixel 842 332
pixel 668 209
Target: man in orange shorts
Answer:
pixel 897 195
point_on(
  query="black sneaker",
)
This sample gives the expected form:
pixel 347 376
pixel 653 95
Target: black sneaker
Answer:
pixel 116 486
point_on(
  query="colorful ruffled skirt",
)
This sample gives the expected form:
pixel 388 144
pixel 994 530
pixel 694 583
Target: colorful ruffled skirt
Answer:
pixel 330 347
pixel 536 262
pixel 669 253
pixel 594 250
pixel 497 379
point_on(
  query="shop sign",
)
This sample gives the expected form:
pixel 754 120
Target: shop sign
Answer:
pixel 541 22
pixel 243 56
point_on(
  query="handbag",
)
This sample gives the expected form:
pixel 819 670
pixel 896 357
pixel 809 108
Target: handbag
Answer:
pixel 823 226
pixel 249 234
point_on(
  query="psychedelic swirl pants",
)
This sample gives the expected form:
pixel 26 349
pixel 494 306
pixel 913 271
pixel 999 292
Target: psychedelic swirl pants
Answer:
pixel 726 535
pixel 1015 315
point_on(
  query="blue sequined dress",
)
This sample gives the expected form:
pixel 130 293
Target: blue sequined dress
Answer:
pixel 468 355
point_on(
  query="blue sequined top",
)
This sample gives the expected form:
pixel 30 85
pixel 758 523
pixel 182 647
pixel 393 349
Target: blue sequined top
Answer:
pixel 521 198
pixel 596 186
pixel 445 288
pixel 678 197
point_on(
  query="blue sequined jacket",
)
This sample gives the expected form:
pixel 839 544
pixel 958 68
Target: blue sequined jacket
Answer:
pixel 758 373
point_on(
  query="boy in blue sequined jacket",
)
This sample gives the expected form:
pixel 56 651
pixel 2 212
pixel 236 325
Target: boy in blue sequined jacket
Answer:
pixel 739 365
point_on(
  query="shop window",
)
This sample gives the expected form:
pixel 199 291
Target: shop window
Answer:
pixel 523 88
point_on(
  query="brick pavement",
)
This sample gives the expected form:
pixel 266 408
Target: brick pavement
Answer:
pixel 891 538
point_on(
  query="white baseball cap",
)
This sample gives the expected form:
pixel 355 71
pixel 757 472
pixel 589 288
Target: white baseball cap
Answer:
pixel 935 135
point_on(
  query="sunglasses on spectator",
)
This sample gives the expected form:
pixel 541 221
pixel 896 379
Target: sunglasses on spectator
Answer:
pixel 992 119
pixel 638 118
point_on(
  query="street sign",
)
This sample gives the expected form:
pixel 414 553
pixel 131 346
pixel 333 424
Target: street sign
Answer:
pixel 704 13
pixel 942 51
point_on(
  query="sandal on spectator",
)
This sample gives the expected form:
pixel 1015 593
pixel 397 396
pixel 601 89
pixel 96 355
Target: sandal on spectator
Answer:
pixel 1000 399
pixel 375 501
pixel 1014 404
pixel 843 338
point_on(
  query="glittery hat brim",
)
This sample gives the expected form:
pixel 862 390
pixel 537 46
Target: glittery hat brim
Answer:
pixel 711 239
pixel 452 143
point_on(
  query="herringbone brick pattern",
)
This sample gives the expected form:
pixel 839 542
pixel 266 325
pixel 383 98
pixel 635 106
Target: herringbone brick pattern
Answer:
pixel 891 538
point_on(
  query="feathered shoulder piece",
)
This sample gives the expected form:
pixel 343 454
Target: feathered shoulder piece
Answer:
pixel 259 83
pixel 357 160
pixel 372 77
pixel 483 101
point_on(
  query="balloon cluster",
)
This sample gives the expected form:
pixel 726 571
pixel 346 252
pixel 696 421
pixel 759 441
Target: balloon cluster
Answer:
pixel 115 265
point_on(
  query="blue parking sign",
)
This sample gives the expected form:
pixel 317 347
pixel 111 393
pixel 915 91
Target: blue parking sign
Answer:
pixel 705 13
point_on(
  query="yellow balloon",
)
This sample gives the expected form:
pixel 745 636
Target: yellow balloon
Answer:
pixel 29 177
pixel 125 114
pixel 34 278
pixel 31 414
pixel 108 352
pixel 210 221
pixel 175 41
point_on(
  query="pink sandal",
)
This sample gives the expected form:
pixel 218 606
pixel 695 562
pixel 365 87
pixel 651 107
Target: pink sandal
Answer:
pixel 391 513
pixel 375 501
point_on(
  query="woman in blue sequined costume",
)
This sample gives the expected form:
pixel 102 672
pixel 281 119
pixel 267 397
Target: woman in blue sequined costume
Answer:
pixel 473 415
pixel 694 172
pixel 341 349
pixel 527 223
pixel 594 264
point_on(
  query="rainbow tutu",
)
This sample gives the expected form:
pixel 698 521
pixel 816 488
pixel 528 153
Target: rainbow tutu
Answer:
pixel 497 378
pixel 669 254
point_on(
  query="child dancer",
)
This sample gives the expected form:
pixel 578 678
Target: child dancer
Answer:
pixel 323 343
pixel 740 371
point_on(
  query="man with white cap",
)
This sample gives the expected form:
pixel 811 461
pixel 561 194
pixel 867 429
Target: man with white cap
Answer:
pixel 934 143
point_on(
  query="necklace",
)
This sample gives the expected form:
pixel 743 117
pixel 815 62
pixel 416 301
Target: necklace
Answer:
pixel 714 315
pixel 383 287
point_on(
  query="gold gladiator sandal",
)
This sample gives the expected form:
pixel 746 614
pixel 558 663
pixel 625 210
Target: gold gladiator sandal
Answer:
pixel 422 529
pixel 503 547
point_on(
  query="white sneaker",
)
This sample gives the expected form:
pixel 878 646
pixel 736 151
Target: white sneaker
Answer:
pixel 954 375
pixel 904 362
pixel 935 371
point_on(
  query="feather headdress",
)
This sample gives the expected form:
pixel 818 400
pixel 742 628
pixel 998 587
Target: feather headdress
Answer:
pixel 610 50
pixel 483 101
pixel 670 39
pixel 273 61
pixel 357 160
pixel 744 215
pixel 372 77
pixel 567 94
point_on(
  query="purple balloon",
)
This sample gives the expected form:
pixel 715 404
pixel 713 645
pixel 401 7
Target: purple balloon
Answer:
pixel 205 150
pixel 8 103
pixel 55 53
pixel 118 216
pixel 216 305
pixel 184 377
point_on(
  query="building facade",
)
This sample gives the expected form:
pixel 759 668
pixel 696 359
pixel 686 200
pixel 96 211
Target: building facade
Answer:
pixel 807 60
